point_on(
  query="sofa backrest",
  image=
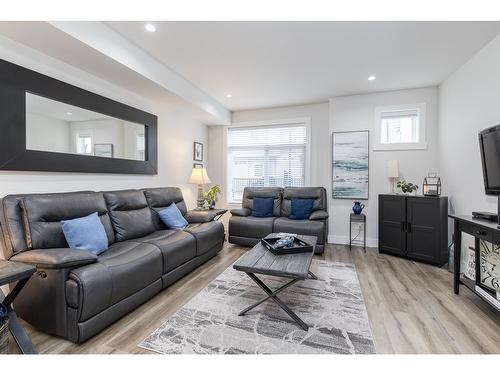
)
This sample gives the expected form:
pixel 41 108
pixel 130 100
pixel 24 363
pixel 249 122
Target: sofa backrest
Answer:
pixel 42 215
pixel 12 227
pixel 316 193
pixel 29 221
pixel 160 198
pixel 130 214
pixel 266 192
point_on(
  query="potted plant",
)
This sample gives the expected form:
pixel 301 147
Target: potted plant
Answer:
pixel 407 187
pixel 212 195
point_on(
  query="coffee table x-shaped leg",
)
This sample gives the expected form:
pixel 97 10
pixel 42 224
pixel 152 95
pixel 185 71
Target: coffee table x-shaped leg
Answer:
pixel 274 296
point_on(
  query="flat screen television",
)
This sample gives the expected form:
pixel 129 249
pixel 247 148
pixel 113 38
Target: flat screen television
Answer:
pixel 489 144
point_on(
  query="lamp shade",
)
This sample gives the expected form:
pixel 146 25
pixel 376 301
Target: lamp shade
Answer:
pixel 199 176
pixel 392 169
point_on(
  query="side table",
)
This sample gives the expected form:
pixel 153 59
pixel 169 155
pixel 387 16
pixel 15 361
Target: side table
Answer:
pixel 360 220
pixel 11 272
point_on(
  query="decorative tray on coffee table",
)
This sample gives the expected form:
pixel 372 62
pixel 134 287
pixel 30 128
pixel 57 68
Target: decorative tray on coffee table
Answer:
pixel 298 246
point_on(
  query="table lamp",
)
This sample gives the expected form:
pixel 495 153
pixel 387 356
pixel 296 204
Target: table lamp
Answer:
pixel 199 177
pixel 392 172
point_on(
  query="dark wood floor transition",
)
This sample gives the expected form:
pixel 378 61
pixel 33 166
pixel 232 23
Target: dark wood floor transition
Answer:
pixel 411 308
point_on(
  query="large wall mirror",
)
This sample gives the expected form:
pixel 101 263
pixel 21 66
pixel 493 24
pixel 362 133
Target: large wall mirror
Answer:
pixel 49 125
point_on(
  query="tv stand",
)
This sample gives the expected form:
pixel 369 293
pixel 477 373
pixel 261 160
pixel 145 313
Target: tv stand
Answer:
pixel 480 229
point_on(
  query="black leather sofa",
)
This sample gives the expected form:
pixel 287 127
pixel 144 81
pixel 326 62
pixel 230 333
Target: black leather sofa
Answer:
pixel 74 293
pixel 247 230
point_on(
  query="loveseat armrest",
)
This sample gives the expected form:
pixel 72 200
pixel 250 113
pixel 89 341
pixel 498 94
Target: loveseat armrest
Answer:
pixel 241 212
pixel 319 215
pixel 56 258
pixel 200 216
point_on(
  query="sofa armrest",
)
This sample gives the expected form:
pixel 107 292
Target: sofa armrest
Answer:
pixel 56 258
pixel 241 212
pixel 319 215
pixel 200 216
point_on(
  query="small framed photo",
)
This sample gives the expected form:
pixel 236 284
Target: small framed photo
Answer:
pixel 197 165
pixel 104 150
pixel 198 151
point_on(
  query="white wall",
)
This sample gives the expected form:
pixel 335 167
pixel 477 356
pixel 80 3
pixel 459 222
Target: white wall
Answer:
pixel 469 103
pixel 357 112
pixel 44 133
pixel 318 113
pixel 176 132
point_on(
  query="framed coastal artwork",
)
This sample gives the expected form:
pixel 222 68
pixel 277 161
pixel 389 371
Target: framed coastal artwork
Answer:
pixel 350 164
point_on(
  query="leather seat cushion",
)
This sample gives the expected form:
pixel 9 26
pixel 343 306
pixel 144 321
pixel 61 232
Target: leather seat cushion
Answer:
pixel 122 270
pixel 177 247
pixel 307 227
pixel 249 226
pixel 207 235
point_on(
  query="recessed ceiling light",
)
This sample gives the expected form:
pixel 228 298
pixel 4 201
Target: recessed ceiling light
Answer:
pixel 372 78
pixel 150 27
pixel 69 113
pixel 229 96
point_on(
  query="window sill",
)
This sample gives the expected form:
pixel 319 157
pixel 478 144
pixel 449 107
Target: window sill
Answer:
pixel 400 146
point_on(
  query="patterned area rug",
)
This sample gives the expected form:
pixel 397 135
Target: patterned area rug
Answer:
pixel 332 306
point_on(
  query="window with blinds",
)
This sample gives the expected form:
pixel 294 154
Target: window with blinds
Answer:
pixel 265 156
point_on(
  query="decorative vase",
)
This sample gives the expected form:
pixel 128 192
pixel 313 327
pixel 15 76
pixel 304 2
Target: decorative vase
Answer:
pixel 357 208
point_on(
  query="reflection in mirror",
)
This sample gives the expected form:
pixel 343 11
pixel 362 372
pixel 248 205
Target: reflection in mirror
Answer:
pixel 58 127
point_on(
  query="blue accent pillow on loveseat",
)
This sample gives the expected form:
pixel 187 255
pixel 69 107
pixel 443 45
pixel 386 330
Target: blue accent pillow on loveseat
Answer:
pixel 301 208
pixel 86 233
pixel 262 207
pixel 172 217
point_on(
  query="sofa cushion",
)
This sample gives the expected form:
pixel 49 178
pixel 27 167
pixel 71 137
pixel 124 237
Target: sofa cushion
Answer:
pixel 264 192
pixel 307 227
pixel 160 198
pixel 255 227
pixel 207 235
pixel 42 215
pixel 301 208
pixel 262 207
pixel 316 193
pixel 130 215
pixel 86 233
pixel 124 269
pixel 172 217
pixel 177 247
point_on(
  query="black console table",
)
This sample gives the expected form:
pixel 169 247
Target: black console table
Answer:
pixel 480 229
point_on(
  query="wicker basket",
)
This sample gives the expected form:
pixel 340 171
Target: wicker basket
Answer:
pixel 4 337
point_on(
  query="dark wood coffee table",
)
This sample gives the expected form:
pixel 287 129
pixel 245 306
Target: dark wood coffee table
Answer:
pixel 11 272
pixel 259 260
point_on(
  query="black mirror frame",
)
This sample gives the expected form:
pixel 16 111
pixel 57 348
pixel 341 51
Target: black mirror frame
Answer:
pixel 16 81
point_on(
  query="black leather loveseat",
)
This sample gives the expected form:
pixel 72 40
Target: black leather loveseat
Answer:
pixel 75 294
pixel 247 230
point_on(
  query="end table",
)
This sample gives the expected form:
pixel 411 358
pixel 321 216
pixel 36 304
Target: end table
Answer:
pixel 360 220
pixel 11 272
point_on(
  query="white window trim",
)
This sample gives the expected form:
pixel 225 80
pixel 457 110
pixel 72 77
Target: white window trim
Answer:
pixel 420 145
pixel 306 121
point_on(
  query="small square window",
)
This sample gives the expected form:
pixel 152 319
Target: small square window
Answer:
pixel 400 127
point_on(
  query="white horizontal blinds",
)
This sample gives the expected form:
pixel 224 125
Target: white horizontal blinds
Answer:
pixel 265 156
pixel 400 126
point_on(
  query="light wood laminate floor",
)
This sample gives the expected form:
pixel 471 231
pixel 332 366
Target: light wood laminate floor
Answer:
pixel 411 308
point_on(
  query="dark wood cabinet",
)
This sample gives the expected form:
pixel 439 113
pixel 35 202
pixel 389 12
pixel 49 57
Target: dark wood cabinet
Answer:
pixel 414 227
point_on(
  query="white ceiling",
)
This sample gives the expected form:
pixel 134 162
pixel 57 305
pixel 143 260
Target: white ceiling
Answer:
pixel 266 64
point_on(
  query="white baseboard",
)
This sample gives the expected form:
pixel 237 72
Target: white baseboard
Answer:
pixel 344 240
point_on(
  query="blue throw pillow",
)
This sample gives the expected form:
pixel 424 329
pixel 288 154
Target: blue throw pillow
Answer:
pixel 172 217
pixel 86 233
pixel 301 208
pixel 263 207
